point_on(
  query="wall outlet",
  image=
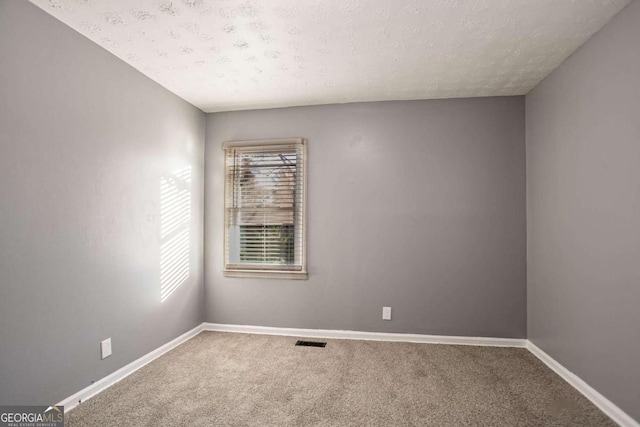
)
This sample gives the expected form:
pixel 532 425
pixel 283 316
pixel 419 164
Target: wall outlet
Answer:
pixel 105 346
pixel 386 313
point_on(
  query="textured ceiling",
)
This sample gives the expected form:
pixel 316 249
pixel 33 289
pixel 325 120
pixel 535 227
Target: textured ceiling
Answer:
pixel 243 54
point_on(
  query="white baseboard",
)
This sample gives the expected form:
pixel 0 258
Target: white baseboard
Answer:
pixel 370 336
pixel 604 404
pixel 72 401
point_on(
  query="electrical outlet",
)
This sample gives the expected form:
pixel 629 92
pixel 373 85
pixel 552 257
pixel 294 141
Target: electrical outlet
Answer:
pixel 386 313
pixel 105 346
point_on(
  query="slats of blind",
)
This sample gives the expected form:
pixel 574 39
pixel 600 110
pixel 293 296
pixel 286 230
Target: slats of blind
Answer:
pixel 264 206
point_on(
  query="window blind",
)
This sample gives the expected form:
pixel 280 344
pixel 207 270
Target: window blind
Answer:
pixel 265 208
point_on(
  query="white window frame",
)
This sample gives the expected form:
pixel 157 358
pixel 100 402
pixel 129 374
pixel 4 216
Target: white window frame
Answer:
pixel 300 272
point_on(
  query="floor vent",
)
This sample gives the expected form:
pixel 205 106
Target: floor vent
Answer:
pixel 311 343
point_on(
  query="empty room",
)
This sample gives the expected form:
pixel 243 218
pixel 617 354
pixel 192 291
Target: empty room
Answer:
pixel 319 213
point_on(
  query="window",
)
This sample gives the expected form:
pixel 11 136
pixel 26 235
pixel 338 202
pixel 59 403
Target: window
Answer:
pixel 265 185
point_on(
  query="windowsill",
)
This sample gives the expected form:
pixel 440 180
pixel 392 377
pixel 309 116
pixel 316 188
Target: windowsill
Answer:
pixel 296 275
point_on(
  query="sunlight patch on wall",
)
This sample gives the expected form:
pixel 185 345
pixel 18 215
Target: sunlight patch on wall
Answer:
pixel 175 216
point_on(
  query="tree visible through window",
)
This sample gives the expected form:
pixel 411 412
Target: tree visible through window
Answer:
pixel 264 208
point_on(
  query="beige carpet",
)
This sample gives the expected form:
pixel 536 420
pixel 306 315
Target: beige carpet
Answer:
pixel 224 379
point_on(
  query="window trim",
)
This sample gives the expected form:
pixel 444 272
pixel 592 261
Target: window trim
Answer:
pixel 300 272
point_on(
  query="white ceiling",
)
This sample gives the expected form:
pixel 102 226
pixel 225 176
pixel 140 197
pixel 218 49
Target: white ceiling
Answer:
pixel 243 54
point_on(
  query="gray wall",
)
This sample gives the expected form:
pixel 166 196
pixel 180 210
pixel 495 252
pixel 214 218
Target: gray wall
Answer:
pixel 84 142
pixel 418 205
pixel 583 166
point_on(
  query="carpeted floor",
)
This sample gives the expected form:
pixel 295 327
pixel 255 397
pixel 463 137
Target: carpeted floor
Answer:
pixel 225 379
